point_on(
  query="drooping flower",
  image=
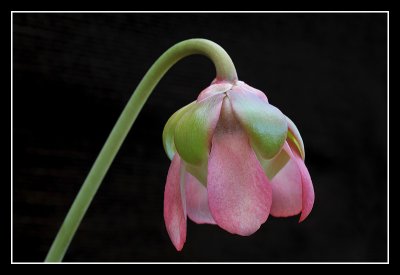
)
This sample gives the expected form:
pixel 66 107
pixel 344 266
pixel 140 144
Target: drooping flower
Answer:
pixel 235 160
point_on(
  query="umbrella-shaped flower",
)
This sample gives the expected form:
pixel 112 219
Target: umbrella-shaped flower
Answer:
pixel 235 160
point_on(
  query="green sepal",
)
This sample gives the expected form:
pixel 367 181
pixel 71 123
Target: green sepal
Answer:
pixel 199 172
pixel 194 129
pixel 265 124
pixel 295 137
pixel 272 166
pixel 169 131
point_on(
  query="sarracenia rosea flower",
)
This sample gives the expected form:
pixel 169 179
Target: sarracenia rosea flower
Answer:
pixel 235 157
pixel 235 160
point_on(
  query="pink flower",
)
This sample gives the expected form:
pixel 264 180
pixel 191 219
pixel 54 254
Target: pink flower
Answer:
pixel 235 160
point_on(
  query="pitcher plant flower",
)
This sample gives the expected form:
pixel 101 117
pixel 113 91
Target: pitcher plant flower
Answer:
pixel 235 158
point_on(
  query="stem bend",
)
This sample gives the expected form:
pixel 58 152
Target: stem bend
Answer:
pixel 225 72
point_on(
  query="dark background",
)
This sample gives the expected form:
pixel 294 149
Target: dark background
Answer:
pixel 73 74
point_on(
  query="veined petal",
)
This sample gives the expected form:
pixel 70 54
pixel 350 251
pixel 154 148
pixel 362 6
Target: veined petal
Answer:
pixel 238 190
pixel 175 203
pixel 287 188
pixel 194 130
pixel 264 123
pixel 169 130
pixel 295 137
pixel 197 201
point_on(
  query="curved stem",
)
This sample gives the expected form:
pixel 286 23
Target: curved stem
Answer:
pixel 225 72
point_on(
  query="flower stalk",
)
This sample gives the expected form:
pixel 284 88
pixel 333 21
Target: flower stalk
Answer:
pixel 225 71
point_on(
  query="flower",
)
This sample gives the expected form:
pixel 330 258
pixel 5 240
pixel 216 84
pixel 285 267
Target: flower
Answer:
pixel 235 160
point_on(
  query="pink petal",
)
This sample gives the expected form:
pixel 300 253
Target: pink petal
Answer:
pixel 197 201
pixel 174 204
pixel 253 90
pixel 292 188
pixel 287 189
pixel 238 190
pixel 307 187
pixel 214 89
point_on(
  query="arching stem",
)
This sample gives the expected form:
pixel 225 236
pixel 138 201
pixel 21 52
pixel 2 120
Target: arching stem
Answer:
pixel 225 72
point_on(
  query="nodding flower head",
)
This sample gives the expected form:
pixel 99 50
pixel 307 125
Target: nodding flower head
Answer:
pixel 235 160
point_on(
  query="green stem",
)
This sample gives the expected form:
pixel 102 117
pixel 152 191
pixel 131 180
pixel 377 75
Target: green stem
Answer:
pixel 225 72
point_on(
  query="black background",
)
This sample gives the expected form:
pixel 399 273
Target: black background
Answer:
pixel 73 74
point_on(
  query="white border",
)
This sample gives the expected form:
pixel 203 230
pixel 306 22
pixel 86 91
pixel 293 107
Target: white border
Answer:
pixel 387 195
pixel 324 12
pixel 12 138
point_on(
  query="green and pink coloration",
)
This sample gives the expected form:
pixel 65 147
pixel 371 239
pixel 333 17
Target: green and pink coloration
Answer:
pixel 235 160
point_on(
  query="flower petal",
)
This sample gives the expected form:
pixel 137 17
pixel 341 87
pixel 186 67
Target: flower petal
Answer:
pixel 198 171
pixel 253 90
pixel 169 130
pixel 295 137
pixel 194 130
pixel 292 188
pixel 308 195
pixel 214 89
pixel 238 190
pixel 197 201
pixel 174 204
pixel 264 123
pixel 287 189
pixel 273 166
